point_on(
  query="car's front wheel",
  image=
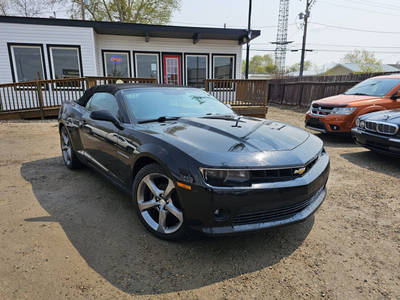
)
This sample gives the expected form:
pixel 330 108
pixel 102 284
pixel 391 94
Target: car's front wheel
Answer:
pixel 67 150
pixel 157 204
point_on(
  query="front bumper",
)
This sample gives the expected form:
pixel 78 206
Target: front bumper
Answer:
pixel 389 145
pixel 331 124
pixel 287 217
pixel 262 206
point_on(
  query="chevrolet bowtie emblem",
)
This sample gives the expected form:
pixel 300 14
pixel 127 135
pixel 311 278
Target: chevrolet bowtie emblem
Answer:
pixel 300 171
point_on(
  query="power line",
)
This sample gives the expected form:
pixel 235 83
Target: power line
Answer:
pixel 375 5
pixel 352 46
pixel 354 29
pixel 389 6
pixel 336 45
pixel 324 50
pixel 360 9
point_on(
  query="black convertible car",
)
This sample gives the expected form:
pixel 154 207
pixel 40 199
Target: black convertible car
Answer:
pixel 379 132
pixel 189 161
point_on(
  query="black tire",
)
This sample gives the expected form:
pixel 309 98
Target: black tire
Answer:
pixel 156 203
pixel 67 150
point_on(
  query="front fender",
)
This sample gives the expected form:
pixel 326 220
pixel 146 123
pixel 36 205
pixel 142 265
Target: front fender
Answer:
pixel 367 110
pixel 173 160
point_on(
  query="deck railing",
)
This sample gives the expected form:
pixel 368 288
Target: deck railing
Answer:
pixel 42 94
pixel 239 92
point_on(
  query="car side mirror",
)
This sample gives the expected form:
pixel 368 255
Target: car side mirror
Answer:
pixel 106 115
pixel 396 95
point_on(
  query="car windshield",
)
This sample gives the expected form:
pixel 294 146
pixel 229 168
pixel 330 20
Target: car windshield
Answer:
pixel 374 87
pixel 164 103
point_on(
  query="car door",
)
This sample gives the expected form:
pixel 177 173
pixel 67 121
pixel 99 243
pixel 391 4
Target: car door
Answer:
pixel 98 137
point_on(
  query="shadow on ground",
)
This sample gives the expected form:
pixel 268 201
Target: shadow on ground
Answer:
pixel 99 221
pixel 334 141
pixel 375 162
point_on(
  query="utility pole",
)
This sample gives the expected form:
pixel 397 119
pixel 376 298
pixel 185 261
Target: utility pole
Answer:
pixel 246 75
pixel 306 15
pixel 83 10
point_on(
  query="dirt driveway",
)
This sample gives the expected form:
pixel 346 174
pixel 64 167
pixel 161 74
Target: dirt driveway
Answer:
pixel 71 234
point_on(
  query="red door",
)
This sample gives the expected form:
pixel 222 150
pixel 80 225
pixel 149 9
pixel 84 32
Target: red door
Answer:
pixel 172 69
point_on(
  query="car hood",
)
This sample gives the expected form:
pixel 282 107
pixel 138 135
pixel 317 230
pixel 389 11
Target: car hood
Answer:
pixel 388 116
pixel 343 100
pixel 228 134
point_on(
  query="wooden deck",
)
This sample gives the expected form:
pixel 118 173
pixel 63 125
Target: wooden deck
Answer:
pixel 42 99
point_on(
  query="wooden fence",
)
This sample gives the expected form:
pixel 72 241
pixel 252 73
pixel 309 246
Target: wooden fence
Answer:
pixel 301 91
pixel 239 92
pixel 35 98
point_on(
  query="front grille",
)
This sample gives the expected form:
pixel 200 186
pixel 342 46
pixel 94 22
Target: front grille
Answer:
pixel 380 127
pixel 261 176
pixel 273 214
pixel 317 110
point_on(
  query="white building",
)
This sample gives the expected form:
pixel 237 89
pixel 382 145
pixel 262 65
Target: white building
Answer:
pixel 38 48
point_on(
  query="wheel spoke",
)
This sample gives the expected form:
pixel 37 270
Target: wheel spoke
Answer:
pixel 148 180
pixel 69 154
pixel 145 205
pixel 171 208
pixel 168 191
pixel 162 221
pixel 65 138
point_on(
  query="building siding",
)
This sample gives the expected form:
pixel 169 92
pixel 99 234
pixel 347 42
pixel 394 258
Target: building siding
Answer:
pixel 92 44
pixel 45 35
pixel 163 45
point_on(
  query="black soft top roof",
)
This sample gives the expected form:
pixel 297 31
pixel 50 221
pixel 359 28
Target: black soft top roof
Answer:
pixel 114 88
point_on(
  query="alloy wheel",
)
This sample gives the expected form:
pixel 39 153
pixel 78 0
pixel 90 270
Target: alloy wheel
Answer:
pixel 158 205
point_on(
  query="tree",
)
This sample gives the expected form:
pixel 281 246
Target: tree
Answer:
pixel 4 7
pixel 157 12
pixel 260 64
pixel 27 8
pixel 368 62
pixel 296 67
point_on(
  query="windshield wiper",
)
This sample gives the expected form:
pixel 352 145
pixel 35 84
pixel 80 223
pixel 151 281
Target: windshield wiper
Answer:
pixel 160 119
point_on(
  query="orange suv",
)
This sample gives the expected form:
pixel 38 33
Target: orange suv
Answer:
pixel 338 114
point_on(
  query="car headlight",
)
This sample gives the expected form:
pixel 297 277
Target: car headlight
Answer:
pixel 343 110
pixel 360 123
pixel 226 177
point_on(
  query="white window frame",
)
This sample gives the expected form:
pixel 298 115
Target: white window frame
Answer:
pixel 67 48
pixel 117 53
pixel 186 65
pixel 14 61
pixel 233 64
pixel 148 53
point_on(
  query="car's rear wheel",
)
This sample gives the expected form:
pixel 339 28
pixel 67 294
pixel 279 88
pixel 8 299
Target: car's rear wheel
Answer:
pixel 157 204
pixel 67 150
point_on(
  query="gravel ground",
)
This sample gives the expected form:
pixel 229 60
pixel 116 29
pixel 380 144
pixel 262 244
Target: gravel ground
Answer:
pixel 71 234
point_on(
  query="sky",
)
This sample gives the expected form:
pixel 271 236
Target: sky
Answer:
pixel 335 27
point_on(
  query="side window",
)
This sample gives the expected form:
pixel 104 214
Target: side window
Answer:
pixel 103 101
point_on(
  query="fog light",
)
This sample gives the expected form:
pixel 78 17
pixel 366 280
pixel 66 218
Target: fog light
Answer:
pixel 221 214
pixel 334 127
